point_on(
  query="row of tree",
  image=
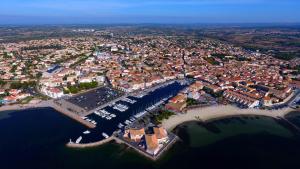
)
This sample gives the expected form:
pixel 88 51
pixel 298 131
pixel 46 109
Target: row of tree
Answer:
pixel 163 114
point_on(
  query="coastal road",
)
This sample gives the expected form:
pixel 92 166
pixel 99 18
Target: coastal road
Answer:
pixel 289 102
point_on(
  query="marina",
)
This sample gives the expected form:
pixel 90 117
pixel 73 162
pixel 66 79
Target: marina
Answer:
pixel 126 111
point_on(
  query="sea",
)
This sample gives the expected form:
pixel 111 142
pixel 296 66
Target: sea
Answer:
pixel 37 138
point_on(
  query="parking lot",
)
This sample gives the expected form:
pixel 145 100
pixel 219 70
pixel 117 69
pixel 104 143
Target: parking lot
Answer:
pixel 95 98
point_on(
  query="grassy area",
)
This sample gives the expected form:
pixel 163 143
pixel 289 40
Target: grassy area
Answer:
pixel 79 87
pixel 82 59
pixel 26 100
pixel 24 85
pixel 212 61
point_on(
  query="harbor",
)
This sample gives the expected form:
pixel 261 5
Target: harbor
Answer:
pixel 124 112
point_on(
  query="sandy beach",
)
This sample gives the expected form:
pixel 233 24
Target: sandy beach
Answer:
pixel 32 104
pixel 215 112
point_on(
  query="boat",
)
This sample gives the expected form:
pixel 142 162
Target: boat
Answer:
pixel 105 135
pixel 140 114
pixel 78 140
pixel 123 106
pixel 141 95
pixel 120 107
pixel 131 101
pixel 127 122
pixel 120 125
pixel 86 132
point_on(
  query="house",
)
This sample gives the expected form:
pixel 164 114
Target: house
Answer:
pixel 2 91
pixel 281 94
pixel 196 86
pixel 267 101
pixel 241 98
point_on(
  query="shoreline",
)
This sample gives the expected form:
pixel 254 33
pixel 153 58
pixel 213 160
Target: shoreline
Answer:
pixel 204 114
pixel 47 104
pixel 218 112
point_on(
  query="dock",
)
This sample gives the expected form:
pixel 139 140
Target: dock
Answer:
pixel 144 153
pixel 72 115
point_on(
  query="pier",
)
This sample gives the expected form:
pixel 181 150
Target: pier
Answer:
pixel 94 144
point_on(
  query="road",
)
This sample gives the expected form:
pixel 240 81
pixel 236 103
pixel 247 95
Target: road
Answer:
pixel 290 102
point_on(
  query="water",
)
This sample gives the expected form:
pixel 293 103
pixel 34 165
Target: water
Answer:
pixel 36 139
pixel 244 142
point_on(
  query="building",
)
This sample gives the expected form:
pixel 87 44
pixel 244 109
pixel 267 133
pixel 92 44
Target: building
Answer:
pixel 134 134
pixel 177 103
pixel 161 134
pixel 152 146
pixel 243 99
pixel 151 141
pixel 53 92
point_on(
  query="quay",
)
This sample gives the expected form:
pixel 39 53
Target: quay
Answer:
pixel 120 141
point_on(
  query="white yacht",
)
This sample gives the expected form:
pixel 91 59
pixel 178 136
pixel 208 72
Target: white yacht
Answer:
pixel 86 132
pixel 78 140
pixel 105 135
pixel 120 125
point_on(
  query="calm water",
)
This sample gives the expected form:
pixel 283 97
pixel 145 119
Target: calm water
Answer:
pixel 36 139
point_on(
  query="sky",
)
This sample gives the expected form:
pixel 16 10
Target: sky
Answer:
pixel 148 11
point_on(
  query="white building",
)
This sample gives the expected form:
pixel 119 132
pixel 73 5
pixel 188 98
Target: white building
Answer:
pixel 53 92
